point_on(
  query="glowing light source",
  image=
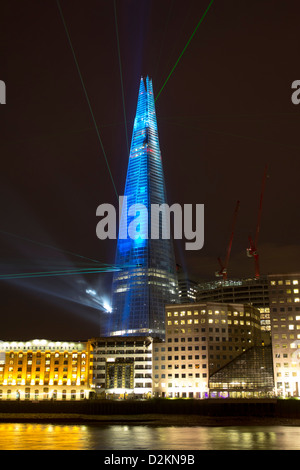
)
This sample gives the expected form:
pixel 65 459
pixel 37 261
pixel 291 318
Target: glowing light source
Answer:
pixel 107 307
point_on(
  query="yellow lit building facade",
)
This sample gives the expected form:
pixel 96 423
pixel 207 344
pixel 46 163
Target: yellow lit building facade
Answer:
pixel 43 370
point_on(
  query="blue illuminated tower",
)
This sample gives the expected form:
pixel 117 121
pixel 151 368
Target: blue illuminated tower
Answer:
pixel 140 292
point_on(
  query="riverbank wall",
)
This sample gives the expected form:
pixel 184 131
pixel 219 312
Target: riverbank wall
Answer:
pixel 260 408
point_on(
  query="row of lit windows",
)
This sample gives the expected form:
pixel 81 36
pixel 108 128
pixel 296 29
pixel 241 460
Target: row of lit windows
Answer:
pixel 288 300
pixel 289 318
pixel 210 321
pixel 182 376
pixel 285 356
pixel 182 348
pixel 285 336
pixel 177 366
pixel 45 392
pixel 210 312
pixel 38 381
pixel 287 282
pixel 290 327
pixel 176 358
pixel 287 364
pixel 46 369
pixel 286 374
pixel 45 355
pixel 170 385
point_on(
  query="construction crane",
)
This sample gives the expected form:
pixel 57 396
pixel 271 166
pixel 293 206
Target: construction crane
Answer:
pixel 252 250
pixel 224 267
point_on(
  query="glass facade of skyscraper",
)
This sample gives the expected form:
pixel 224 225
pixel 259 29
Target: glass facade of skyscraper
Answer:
pixel 148 279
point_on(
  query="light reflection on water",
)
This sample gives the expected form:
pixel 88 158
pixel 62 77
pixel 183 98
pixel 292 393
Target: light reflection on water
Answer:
pixel 27 436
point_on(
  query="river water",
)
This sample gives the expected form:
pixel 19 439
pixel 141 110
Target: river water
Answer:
pixel 30 436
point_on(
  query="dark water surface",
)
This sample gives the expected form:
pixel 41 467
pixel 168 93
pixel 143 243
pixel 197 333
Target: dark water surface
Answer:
pixel 30 436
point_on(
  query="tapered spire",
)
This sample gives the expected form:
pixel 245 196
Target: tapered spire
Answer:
pixel 140 292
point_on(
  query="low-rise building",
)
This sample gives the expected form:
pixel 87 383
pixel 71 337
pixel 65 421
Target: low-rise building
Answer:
pixel 249 375
pixel 121 367
pixel 43 370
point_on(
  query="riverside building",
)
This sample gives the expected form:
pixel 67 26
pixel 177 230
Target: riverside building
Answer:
pixel 121 367
pixel 284 292
pixel 43 370
pixel 201 338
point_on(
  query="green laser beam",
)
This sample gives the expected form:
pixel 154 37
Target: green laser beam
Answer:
pixel 102 266
pixel 184 49
pixel 168 62
pixel 86 95
pixel 121 78
pixel 37 273
pixel 52 247
pixel 53 273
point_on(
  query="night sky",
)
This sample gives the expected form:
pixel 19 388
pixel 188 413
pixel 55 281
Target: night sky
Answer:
pixel 225 113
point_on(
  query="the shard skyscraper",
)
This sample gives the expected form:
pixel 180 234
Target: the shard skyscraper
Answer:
pixel 141 290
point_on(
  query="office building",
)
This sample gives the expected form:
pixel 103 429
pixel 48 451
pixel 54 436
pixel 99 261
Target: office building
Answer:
pixel 121 367
pixel 187 287
pixel 200 339
pixel 246 291
pixel 284 293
